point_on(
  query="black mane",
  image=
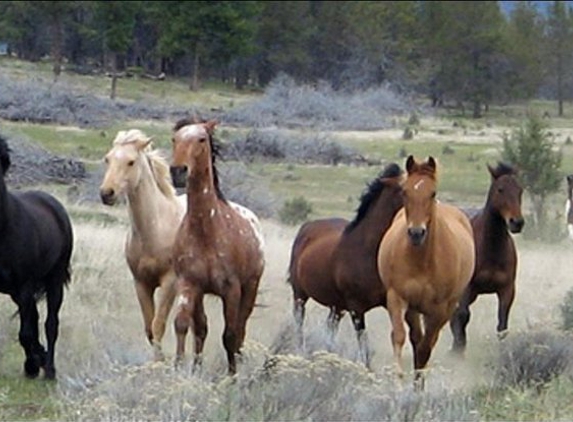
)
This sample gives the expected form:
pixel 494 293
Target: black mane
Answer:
pixel 216 148
pixel 504 169
pixel 372 193
pixel 4 155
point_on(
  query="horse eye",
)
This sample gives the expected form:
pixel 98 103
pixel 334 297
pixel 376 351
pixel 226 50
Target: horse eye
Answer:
pixel 131 163
pixel 500 190
pixel 433 195
pixel 106 160
pixel 202 140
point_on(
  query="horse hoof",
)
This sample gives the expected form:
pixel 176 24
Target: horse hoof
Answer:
pixel 31 368
pixel 502 334
pixel 50 373
pixel 158 355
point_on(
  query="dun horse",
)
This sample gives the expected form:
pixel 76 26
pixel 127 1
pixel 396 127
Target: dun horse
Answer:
pixel 218 249
pixel 136 171
pixel 36 242
pixel 334 261
pixel 425 260
pixel 496 257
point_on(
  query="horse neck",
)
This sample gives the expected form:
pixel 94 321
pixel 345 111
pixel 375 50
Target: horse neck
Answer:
pixel 374 224
pixel 4 204
pixel 201 196
pixel 494 229
pixel 146 202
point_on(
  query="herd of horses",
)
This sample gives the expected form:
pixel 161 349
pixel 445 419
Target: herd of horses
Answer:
pixel 423 260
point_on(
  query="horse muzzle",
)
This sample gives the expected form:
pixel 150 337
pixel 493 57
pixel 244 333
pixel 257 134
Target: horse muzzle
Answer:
pixel 417 235
pixel 179 176
pixel 108 196
pixel 516 224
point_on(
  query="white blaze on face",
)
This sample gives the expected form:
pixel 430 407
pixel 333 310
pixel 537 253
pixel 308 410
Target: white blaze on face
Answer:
pixel 193 131
pixel 418 184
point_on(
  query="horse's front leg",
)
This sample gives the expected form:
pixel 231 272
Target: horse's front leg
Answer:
pixel 359 323
pixel 396 309
pixel 505 300
pixel 432 326
pixel 460 319
pixel 55 295
pixel 145 297
pixel 189 312
pixel 28 337
pixel 165 303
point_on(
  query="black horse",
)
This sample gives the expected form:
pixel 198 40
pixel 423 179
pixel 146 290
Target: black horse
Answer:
pixel 36 242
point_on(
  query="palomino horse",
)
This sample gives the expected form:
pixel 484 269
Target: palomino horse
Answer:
pixel 425 260
pixel 217 250
pixel 36 242
pixel 136 171
pixel 496 258
pixel 569 206
pixel 334 261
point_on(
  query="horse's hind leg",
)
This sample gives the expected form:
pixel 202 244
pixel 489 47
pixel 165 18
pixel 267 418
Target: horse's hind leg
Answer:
pixel 505 299
pixel 55 296
pixel 460 319
pixel 362 336
pixel 248 298
pixel 299 312
pixel 231 304
pixel 165 303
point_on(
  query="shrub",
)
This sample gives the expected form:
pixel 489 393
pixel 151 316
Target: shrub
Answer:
pixel 566 308
pixel 532 359
pixel 295 211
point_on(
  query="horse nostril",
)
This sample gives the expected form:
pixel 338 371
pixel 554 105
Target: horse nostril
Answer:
pixel 107 195
pixel 178 175
pixel 516 224
pixel 417 234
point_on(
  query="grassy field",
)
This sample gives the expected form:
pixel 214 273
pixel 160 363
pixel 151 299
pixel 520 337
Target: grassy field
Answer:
pixel 104 362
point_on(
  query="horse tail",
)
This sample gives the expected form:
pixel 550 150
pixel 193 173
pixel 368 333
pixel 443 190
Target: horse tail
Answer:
pixel 297 246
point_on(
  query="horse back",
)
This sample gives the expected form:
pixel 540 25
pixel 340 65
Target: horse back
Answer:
pixel 37 238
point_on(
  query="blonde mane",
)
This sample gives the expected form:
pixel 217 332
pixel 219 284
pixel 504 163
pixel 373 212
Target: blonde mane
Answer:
pixel 158 163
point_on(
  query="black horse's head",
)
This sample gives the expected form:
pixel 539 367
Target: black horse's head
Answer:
pixel 4 156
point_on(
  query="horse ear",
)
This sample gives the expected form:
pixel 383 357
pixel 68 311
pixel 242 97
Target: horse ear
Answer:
pixel 570 178
pixel 492 171
pixel 210 125
pixel 432 163
pixel 410 163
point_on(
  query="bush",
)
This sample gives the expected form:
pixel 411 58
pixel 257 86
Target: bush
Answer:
pixel 532 359
pixel 295 211
pixel 566 308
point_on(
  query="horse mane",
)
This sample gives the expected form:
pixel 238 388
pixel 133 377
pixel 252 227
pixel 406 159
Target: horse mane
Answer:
pixel 216 148
pixel 373 192
pixel 504 169
pixel 4 155
pixel 157 162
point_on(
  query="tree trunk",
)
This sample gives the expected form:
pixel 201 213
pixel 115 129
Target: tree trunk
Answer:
pixel 195 75
pixel 560 85
pixel 477 109
pixel 57 47
pixel 113 76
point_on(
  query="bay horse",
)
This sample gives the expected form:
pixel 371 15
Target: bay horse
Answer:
pixel 36 243
pixel 569 206
pixel 139 173
pixel 218 249
pixel 496 256
pixel 333 261
pixel 425 260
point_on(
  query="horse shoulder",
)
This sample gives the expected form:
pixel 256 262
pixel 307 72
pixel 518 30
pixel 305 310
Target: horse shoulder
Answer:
pixel 252 219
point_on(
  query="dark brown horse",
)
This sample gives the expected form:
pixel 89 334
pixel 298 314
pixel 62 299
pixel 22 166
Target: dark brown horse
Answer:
pixel 496 257
pixel 334 261
pixel 425 260
pixel 218 248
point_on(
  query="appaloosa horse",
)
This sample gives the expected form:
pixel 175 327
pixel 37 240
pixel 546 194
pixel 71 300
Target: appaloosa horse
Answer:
pixel 218 249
